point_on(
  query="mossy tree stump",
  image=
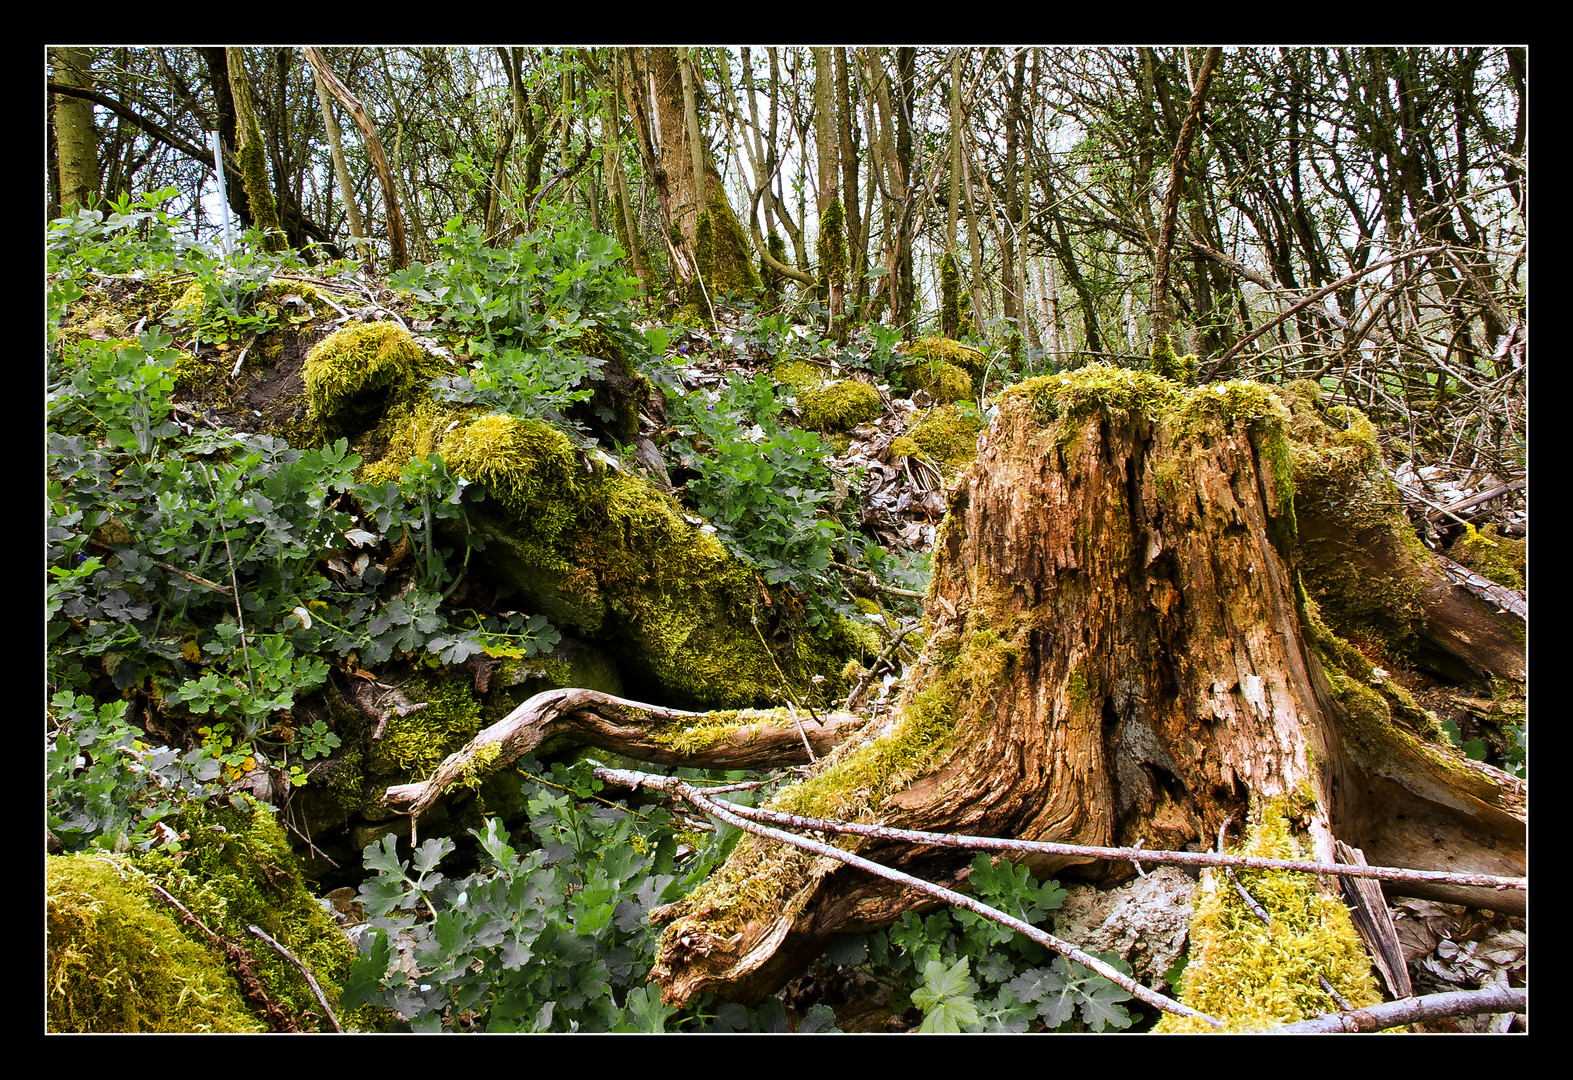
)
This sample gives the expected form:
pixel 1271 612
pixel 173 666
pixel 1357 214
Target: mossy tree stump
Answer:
pixel 1121 651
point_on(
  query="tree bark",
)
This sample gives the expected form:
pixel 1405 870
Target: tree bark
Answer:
pixel 330 124
pixel 75 140
pixel 1162 320
pixel 253 156
pixel 1120 653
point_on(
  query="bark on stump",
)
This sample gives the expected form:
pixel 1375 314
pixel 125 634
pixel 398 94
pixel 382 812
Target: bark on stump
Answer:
pixel 1121 652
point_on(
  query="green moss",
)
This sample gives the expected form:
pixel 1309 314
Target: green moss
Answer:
pixel 949 434
pixel 116 961
pixel 1500 558
pixel 235 868
pixel 1096 388
pixel 1177 369
pixel 828 404
pixel 948 370
pixel 949 296
pixel 726 254
pixel 833 245
pixel 356 369
pixel 1255 976
pixel 415 744
pixel 1340 480
pixel 529 467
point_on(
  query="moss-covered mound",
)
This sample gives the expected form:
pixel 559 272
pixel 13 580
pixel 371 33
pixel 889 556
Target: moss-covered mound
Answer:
pixel 121 959
pixel 355 374
pixel 946 369
pixel 825 404
pixel 948 435
pixel 116 961
pixel 609 557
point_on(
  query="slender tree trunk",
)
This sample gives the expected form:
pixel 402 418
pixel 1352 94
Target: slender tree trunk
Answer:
pixel 253 156
pixel 76 141
pixel 330 124
pixel 1162 319
pixel 379 160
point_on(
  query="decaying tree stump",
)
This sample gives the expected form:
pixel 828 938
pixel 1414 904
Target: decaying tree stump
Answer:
pixel 1120 651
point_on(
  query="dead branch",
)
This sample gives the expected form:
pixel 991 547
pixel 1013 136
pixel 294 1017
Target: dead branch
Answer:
pixel 722 810
pixel 1133 855
pixel 1496 999
pixel 741 739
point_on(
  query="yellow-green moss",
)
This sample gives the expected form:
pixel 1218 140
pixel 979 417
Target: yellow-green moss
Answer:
pixel 687 608
pixel 529 467
pixel 833 245
pixel 415 744
pixel 828 404
pixel 117 962
pixel 942 350
pixel 1166 365
pixel 725 253
pixel 949 435
pixel 1253 976
pixel 1097 387
pixel 233 868
pixel 363 360
pixel 1500 558
pixel 1339 478
pixel 949 295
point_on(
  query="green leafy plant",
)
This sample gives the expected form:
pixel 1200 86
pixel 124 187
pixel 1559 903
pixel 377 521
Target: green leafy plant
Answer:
pixel 554 939
pixel 528 312
pixel 104 785
pixel 967 972
pixel 762 483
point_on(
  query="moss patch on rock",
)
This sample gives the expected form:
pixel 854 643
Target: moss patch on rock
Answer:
pixel 945 368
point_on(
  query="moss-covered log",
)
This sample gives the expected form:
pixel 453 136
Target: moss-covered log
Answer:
pixel 1120 652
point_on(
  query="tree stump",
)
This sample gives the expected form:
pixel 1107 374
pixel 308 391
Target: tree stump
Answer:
pixel 1121 651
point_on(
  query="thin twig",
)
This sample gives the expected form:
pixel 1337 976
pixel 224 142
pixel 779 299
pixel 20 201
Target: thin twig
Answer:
pixel 322 998
pixel 1129 854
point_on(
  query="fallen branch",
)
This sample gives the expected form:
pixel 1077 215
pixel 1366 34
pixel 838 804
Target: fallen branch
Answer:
pixel 322 999
pixel 743 739
pixel 1131 854
pixel 1412 1010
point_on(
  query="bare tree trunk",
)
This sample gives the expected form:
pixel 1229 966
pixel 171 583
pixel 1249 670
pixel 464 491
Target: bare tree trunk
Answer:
pixel 1162 321
pixel 330 124
pixel 76 142
pixel 379 160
